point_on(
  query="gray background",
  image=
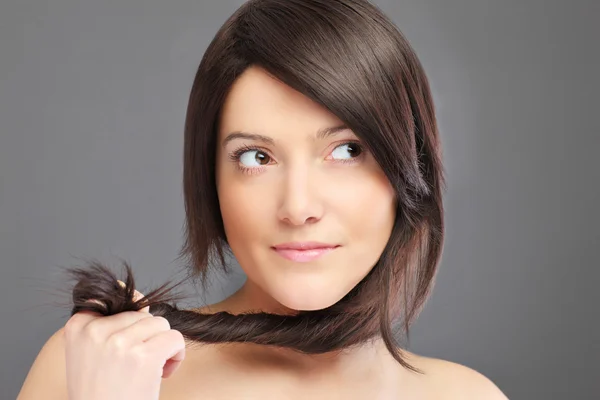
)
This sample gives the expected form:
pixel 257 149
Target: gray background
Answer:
pixel 92 104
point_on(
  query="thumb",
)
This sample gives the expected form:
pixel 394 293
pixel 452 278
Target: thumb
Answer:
pixel 136 296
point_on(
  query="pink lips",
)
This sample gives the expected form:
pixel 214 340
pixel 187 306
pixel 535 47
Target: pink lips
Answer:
pixel 303 251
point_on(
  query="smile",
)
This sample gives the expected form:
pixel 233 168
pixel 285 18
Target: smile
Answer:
pixel 302 254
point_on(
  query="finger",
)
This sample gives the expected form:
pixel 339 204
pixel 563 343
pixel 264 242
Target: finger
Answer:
pixel 106 326
pixel 79 321
pixel 95 301
pixel 92 311
pixel 170 367
pixel 81 318
pixel 143 330
pixel 136 296
pixel 169 346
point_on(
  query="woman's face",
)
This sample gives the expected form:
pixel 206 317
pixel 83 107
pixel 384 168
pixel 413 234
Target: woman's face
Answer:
pixel 283 184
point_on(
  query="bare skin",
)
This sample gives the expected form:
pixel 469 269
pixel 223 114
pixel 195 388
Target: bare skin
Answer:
pixel 260 373
pixel 226 372
pixel 294 186
pixel 248 371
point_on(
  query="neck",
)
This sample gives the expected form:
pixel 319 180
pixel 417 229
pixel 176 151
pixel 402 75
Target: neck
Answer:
pixel 368 358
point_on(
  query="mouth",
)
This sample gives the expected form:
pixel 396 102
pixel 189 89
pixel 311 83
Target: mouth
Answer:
pixel 303 251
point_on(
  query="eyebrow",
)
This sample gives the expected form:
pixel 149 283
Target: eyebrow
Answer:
pixel 321 134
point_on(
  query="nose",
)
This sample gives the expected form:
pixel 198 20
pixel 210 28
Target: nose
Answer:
pixel 300 202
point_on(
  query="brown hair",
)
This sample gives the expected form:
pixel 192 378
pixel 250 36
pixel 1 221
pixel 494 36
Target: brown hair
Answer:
pixel 347 56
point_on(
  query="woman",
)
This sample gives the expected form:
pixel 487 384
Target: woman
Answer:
pixel 312 154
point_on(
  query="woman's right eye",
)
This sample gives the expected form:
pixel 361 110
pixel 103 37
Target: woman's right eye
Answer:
pixel 253 158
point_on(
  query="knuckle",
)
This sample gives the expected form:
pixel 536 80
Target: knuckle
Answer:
pixel 118 342
pixel 71 325
pixel 176 335
pixel 163 322
pixel 92 332
pixel 176 338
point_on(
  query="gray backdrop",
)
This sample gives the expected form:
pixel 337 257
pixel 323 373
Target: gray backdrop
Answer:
pixel 92 104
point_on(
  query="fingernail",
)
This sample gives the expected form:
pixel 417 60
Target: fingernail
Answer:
pixel 95 301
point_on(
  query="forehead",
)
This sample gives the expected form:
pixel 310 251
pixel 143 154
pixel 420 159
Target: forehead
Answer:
pixel 259 102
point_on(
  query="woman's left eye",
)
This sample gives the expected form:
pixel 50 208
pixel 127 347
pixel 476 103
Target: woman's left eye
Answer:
pixel 352 149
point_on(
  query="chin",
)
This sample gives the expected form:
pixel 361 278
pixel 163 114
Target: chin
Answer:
pixel 305 297
pixel 311 305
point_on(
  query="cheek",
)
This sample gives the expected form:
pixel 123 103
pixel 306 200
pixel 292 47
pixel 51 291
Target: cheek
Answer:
pixel 368 219
pixel 358 210
pixel 367 209
pixel 364 208
pixel 243 211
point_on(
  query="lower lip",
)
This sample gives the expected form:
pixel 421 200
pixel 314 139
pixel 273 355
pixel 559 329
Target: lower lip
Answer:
pixel 303 255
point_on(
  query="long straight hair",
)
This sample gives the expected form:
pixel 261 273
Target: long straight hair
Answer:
pixel 347 56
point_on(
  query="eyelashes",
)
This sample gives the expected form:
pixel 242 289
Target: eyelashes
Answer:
pixel 263 158
pixel 236 156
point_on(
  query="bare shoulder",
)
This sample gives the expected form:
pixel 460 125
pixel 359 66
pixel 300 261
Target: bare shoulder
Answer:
pixel 47 376
pixel 450 380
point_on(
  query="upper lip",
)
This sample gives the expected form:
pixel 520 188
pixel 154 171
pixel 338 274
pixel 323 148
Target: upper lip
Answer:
pixel 303 246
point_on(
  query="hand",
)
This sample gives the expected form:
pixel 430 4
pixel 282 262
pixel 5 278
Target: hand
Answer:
pixel 122 356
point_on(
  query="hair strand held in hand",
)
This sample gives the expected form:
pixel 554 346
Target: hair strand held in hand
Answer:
pixel 347 56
